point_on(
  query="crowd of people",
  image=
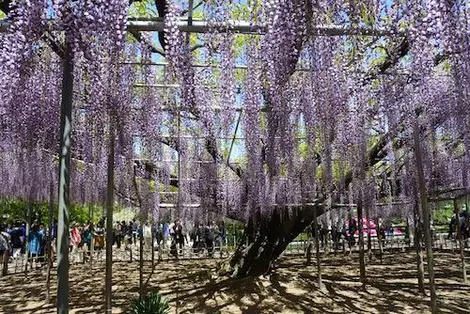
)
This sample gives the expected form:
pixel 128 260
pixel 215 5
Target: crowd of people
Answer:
pixel 347 231
pixel 200 238
pixel 16 241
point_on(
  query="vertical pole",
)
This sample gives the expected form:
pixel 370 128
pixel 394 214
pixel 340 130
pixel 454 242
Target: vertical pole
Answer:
pixel 141 261
pixel 426 218
pixel 417 239
pixel 109 216
pixel 152 245
pixel 179 159
pixel 26 244
pixel 461 245
pixel 49 245
pixel 309 247
pixel 369 236
pixel 178 209
pixel 190 12
pixel 64 182
pixel 362 265
pixel 92 242
pixel 317 246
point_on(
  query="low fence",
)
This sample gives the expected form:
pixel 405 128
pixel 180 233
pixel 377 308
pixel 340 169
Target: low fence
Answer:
pixel 163 252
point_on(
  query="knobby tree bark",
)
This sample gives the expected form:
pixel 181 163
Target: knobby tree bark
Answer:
pixel 265 238
pixel 64 181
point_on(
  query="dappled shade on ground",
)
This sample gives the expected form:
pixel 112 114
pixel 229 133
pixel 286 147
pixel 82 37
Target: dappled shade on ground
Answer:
pixel 192 287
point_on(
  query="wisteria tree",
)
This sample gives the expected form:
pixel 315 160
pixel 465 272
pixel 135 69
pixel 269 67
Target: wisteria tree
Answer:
pixel 363 101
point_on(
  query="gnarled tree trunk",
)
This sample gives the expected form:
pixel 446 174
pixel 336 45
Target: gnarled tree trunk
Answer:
pixel 266 238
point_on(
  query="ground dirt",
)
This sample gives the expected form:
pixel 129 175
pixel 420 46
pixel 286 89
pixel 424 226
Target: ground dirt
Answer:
pixel 192 287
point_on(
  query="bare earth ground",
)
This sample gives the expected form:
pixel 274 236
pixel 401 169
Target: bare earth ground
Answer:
pixel 191 287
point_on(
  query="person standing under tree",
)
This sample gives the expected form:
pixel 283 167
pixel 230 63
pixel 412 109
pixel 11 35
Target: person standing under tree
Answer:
pixel 147 234
pixel 133 227
pixel 99 238
pixel 4 249
pixel 35 240
pixel 54 236
pixel 209 238
pixel 17 242
pixel 75 240
pixel 43 244
pixel 88 236
pixel 117 234
pixel 159 233
pixel 352 230
pixel 179 234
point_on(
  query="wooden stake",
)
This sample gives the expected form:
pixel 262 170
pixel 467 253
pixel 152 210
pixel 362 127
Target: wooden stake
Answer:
pixel 109 218
pixel 426 215
pixel 317 246
pixel 459 239
pixel 49 246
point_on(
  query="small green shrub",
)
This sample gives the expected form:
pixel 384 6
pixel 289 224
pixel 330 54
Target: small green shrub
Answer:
pixel 152 303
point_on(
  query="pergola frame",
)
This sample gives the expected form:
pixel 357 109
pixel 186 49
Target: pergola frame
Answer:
pixel 243 27
pixel 188 25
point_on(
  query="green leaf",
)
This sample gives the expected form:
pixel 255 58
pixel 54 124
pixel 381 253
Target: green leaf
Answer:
pixel 152 303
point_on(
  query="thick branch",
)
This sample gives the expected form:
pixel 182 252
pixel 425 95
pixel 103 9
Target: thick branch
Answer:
pixel 138 36
pixel 5 6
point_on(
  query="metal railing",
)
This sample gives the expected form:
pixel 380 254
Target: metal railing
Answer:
pixel 165 252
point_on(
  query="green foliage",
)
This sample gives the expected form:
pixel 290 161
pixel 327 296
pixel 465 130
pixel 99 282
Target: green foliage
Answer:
pixel 234 231
pixel 445 210
pixel 340 169
pixel 443 213
pixel 151 184
pixel 16 210
pixel 242 11
pixel 152 303
pixel 303 149
pixel 445 66
pixel 2 15
pixel 143 8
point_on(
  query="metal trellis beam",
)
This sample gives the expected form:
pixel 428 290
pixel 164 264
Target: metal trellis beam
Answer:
pixel 246 27
pixel 243 27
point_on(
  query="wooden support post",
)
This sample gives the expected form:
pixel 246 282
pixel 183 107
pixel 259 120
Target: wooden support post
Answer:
pixel 417 241
pixel 92 241
pixel 426 215
pixel 309 247
pixel 362 265
pixel 64 181
pixel 369 236
pixel 317 246
pixel 153 245
pixel 26 244
pixel 459 239
pixel 141 262
pixel 49 245
pixel 109 217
